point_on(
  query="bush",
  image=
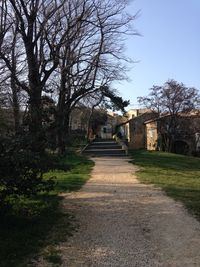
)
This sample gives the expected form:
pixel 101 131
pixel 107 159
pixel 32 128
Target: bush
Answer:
pixel 21 170
pixel 76 138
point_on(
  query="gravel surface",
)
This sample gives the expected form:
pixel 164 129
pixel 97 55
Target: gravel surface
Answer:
pixel 123 223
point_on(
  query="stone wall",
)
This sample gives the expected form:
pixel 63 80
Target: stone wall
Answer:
pixel 152 136
pixel 137 130
pixel 186 136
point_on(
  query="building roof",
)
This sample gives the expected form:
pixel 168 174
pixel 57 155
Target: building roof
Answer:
pixel 191 114
pixel 138 117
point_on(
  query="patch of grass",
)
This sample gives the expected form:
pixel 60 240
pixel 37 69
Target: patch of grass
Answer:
pixel 73 179
pixel 37 223
pixel 52 255
pixel 177 175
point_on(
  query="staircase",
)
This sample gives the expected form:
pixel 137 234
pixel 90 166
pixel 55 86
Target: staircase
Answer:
pixel 104 148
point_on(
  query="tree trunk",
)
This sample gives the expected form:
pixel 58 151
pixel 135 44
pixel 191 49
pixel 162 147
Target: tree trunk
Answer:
pixel 35 123
pixel 35 94
pixel 62 120
pixel 89 122
pixel 60 133
pixel 15 105
pixel 14 87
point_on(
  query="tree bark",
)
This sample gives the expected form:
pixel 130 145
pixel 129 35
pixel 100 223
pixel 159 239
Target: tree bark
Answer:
pixel 15 105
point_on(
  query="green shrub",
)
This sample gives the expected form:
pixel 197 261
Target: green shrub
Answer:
pixel 21 171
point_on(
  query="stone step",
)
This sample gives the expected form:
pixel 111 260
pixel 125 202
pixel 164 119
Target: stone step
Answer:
pixel 106 155
pixel 104 150
pixel 104 142
pixel 105 146
pixel 103 154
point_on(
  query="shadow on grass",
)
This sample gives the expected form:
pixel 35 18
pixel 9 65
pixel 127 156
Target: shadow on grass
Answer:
pixel 25 231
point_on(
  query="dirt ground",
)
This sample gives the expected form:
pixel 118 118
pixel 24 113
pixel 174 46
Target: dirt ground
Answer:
pixel 123 223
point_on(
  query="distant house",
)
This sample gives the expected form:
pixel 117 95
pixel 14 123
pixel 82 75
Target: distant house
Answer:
pixel 102 123
pixel 137 131
pixel 132 113
pixel 107 130
pixel 144 129
pixel 133 130
pixel 186 139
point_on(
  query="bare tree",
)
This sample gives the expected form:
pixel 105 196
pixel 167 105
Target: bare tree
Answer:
pixel 93 56
pixel 40 40
pixel 70 49
pixel 154 100
pixel 4 28
pixel 8 47
pixel 170 100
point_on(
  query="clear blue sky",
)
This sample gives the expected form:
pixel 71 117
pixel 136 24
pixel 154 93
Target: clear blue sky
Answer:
pixel 168 48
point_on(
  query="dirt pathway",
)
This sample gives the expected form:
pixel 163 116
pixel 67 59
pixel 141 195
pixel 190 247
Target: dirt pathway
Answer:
pixel 126 224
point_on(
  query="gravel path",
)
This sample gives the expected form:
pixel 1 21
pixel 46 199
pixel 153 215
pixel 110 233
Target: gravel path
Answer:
pixel 126 224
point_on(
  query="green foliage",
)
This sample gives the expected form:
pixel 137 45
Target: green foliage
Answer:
pixel 98 118
pixel 76 138
pixel 21 171
pixel 177 175
pixel 115 102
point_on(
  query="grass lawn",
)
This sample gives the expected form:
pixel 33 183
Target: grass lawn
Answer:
pixel 177 175
pixel 26 230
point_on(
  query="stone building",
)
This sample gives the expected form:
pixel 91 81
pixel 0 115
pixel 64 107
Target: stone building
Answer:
pixel 185 139
pixel 137 138
pixel 133 129
pixel 151 133
pixel 102 125
pixel 135 112
pixel 143 129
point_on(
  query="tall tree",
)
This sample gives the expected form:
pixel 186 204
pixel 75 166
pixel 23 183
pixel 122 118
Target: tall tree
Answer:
pixel 93 56
pixel 69 49
pixel 41 40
